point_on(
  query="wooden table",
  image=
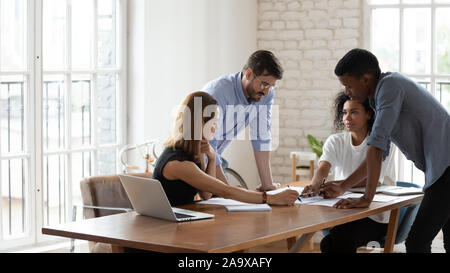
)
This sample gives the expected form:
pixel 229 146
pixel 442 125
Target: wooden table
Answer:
pixel 227 231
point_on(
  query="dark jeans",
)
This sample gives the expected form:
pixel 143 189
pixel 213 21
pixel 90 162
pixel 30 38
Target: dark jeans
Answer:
pixel 348 237
pixel 432 216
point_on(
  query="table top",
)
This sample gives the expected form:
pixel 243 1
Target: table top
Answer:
pixel 226 232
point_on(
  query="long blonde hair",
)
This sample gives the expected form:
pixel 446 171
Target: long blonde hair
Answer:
pixel 187 131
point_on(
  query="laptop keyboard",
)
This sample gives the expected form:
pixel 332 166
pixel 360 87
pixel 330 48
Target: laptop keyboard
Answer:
pixel 182 216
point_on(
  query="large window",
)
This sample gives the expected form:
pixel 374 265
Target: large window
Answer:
pixel 413 37
pixel 62 79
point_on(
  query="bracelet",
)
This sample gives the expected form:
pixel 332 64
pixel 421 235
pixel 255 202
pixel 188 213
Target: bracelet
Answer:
pixel 264 196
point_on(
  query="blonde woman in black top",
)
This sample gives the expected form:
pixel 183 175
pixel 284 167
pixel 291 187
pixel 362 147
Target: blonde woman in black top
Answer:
pixel 187 165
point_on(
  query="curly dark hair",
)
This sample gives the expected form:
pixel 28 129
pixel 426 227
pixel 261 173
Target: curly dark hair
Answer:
pixel 339 102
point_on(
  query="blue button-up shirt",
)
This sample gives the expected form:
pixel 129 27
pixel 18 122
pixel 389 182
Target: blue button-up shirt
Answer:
pixel 236 113
pixel 409 116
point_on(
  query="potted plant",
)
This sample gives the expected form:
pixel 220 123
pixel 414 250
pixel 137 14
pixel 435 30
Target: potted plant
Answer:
pixel 316 146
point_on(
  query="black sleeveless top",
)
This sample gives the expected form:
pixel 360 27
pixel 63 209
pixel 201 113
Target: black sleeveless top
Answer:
pixel 178 192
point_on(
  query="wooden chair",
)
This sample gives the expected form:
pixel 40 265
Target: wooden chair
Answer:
pixel 305 166
pixel 302 165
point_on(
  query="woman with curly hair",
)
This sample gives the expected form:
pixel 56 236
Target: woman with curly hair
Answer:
pixel 342 154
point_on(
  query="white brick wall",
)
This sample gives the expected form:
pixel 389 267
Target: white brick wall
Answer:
pixel 309 37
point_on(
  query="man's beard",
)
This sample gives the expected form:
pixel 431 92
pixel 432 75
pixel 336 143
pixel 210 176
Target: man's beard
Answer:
pixel 252 94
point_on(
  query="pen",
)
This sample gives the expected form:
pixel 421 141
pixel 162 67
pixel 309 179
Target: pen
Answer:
pixel 297 197
pixel 322 185
pixel 323 182
pixel 309 194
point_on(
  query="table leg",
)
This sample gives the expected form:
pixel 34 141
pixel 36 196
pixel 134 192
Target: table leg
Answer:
pixel 301 242
pixel 290 242
pixel 392 231
pixel 117 249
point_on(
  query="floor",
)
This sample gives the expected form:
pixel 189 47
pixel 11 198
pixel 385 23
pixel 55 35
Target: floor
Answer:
pixel 275 247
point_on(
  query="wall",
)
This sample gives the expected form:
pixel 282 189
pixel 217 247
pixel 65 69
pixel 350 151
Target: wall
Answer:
pixel 309 37
pixel 176 46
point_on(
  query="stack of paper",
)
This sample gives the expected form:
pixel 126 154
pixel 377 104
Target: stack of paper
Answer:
pixel 320 201
pixel 233 205
pixel 249 207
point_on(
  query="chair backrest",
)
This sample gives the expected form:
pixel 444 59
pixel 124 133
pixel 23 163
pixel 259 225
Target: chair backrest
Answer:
pixel 303 155
pixel 105 191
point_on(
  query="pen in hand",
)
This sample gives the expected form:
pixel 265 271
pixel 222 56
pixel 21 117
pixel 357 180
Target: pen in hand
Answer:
pixel 298 198
pixel 310 193
pixel 322 185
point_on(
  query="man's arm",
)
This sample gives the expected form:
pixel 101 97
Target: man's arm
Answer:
pixel 262 159
pixel 374 159
pixel 333 189
pixel 373 162
pixel 220 174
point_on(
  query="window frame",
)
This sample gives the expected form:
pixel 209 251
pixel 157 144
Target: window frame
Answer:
pixel 34 119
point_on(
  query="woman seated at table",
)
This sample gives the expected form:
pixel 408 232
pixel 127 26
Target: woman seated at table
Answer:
pixel 187 164
pixel 342 154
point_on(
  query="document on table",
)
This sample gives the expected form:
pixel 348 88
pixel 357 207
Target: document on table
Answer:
pixel 249 207
pixel 319 200
pixel 233 205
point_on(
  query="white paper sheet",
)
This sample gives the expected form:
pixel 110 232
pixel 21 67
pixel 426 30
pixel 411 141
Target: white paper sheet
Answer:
pixel 320 201
pixel 249 207
pixel 233 205
pixel 223 202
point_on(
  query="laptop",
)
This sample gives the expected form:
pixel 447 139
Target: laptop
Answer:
pixel 148 198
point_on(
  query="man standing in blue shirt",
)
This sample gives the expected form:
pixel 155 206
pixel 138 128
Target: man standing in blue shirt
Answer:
pixel 246 98
pixel 409 116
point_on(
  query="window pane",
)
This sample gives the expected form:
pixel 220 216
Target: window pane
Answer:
pixel 81 168
pixel 383 2
pixel 81 111
pixel 417 40
pixel 385 38
pixel 107 161
pixel 106 108
pixel 425 82
pixel 14 202
pixel 82 34
pixel 443 40
pixel 55 188
pixel 54 35
pixel 13 30
pixel 443 93
pixel 54 103
pixel 107 33
pixel 418 177
pixel 12 103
